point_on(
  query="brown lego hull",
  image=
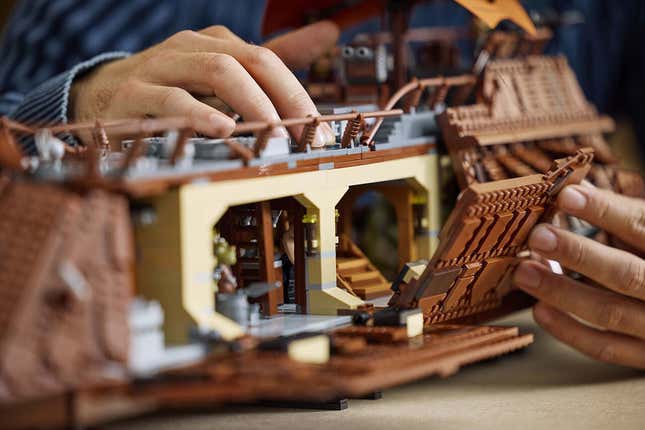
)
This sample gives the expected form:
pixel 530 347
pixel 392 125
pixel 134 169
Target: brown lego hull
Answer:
pixel 254 376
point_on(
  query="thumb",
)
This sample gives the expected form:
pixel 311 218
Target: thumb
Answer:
pixel 299 48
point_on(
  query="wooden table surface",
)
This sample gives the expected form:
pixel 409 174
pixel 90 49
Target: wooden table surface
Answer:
pixel 547 386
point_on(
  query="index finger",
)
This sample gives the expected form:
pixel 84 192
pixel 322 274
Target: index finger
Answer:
pixel 622 216
pixel 613 268
pixel 283 88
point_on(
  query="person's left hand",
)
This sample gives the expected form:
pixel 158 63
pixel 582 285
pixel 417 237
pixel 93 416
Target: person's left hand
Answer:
pixel 612 301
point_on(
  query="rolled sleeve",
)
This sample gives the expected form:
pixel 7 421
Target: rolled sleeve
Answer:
pixel 48 103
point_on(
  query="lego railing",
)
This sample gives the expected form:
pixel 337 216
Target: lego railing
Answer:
pixel 438 91
pixel 11 156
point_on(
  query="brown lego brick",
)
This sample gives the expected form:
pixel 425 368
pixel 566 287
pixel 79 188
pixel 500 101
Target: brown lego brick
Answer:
pixel 496 231
pixel 429 302
pixel 375 334
pixel 602 151
pixel 459 241
pixel 489 277
pixel 457 293
pixel 493 168
pixel 439 283
pixel 532 156
pixel 146 187
pixel 482 232
pixel 514 165
pixel 471 269
pixel 347 345
pixel 564 146
pixel 523 230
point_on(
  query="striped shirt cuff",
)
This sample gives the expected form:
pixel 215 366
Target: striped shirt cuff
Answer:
pixel 47 104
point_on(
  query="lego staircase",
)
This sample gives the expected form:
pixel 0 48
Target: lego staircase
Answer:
pixel 356 274
pixel 407 128
pixel 389 127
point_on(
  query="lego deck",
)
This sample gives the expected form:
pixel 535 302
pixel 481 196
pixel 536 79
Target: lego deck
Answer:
pixel 358 368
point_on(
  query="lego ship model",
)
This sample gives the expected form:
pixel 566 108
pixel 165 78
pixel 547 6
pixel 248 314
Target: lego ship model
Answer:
pixel 133 272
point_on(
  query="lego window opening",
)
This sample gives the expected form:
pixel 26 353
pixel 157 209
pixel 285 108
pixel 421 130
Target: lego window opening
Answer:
pixel 257 250
pixel 374 230
pixel 377 228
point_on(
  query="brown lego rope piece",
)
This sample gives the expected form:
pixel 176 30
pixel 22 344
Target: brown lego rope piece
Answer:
pixel 352 129
pixel 180 147
pixel 308 134
pixel 136 150
pixel 243 152
pixel 262 140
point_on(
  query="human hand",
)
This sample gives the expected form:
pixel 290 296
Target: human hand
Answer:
pixel 612 299
pixel 193 74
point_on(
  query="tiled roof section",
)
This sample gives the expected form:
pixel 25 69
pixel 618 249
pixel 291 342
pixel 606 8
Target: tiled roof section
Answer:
pixel 535 86
pixel 532 111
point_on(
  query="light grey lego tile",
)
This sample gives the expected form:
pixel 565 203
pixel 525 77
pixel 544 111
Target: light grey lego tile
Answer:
pixel 286 325
pixel 151 362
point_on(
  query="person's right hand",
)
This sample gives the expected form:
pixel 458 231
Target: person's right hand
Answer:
pixel 192 73
pixel 603 313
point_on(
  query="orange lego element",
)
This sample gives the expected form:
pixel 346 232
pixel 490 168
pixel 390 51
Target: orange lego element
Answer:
pixel 492 12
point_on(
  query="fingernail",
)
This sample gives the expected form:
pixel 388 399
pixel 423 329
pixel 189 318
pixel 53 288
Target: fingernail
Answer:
pixel 222 126
pixel 324 136
pixel 572 199
pixel 279 132
pixel 543 239
pixel 527 276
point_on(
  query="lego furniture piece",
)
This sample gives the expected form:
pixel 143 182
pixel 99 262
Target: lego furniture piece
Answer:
pixel 66 284
pixel 481 241
pixel 250 228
